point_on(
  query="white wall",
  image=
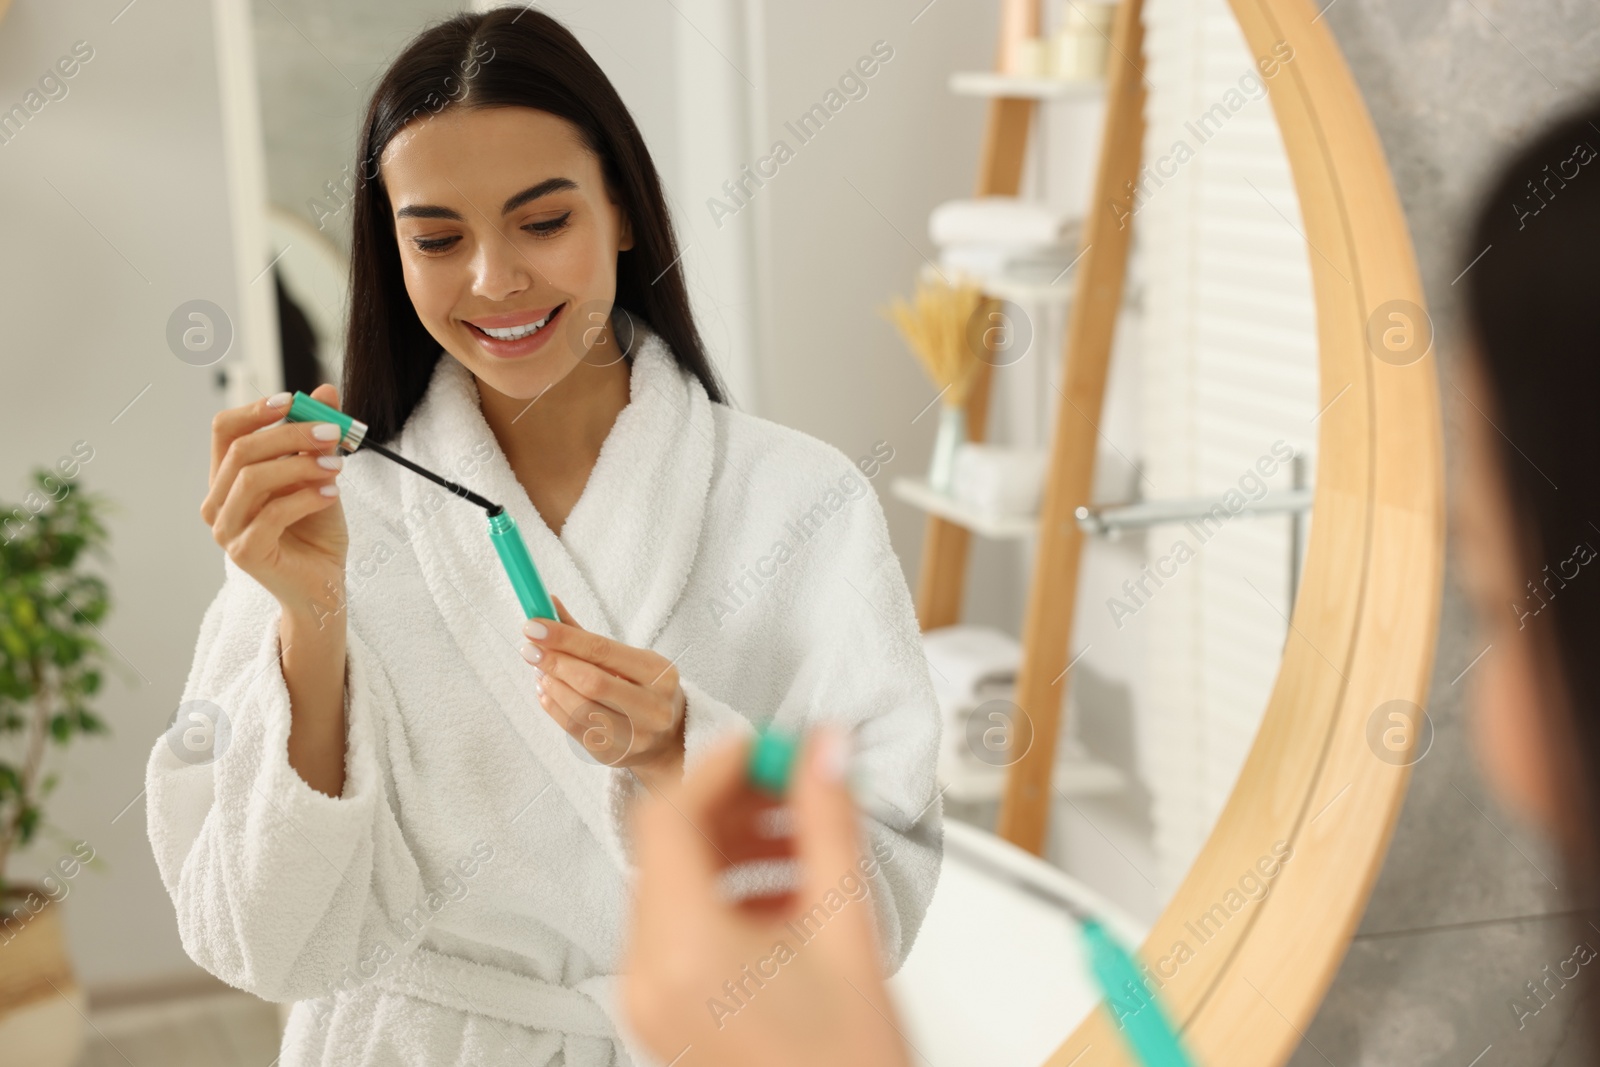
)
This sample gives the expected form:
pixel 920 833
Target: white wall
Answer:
pixel 842 229
pixel 119 214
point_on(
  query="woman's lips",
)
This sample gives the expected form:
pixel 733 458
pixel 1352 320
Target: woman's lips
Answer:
pixel 523 346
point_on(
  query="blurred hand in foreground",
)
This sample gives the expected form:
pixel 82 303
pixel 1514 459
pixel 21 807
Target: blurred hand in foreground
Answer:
pixel 784 981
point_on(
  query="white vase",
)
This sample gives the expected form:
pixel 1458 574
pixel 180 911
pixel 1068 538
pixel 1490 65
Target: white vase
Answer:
pixel 951 435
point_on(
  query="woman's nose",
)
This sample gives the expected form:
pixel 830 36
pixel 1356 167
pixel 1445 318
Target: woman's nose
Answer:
pixel 501 269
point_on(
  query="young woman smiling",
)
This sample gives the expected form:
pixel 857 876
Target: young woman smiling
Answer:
pixel 399 823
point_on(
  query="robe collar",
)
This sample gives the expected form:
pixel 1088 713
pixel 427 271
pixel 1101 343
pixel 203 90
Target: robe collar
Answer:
pixel 620 564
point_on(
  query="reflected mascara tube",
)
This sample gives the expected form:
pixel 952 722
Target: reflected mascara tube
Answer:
pixel 1147 1031
pixel 514 557
pixel 503 531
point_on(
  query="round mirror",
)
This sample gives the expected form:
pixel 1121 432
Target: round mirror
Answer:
pixel 1202 727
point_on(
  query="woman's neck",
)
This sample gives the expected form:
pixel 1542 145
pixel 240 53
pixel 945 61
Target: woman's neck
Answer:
pixel 552 442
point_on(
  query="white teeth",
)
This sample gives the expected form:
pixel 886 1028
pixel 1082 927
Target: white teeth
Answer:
pixel 515 333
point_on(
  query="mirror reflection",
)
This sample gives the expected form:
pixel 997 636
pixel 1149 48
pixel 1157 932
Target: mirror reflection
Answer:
pixel 575 517
pixel 1200 515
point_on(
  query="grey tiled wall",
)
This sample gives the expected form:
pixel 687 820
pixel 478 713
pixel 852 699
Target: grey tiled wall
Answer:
pixel 1468 908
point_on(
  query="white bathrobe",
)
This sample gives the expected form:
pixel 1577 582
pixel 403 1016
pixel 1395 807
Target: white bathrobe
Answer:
pixel 465 900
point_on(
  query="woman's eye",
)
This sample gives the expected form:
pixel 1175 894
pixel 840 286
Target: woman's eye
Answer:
pixel 543 228
pixel 549 226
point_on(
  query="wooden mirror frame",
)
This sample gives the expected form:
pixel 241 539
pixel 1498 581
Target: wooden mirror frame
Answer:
pixel 1366 620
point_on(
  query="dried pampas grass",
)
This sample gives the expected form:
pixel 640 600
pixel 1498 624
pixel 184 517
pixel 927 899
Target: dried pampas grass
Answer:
pixel 937 326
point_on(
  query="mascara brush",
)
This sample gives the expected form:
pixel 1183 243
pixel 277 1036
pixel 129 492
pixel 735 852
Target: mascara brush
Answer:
pixel 503 532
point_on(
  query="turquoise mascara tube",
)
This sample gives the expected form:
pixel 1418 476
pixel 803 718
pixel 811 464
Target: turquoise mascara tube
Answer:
pixel 503 531
pixel 1147 1029
pixel 514 557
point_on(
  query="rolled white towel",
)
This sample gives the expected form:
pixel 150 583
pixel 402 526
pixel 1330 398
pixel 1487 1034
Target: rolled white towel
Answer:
pixel 997 220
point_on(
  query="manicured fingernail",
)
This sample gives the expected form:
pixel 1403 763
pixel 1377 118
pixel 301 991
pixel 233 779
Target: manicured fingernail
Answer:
pixel 535 628
pixel 333 463
pixel 326 431
pixel 279 400
pixel 538 673
pixel 532 653
pixel 833 752
pixel 329 490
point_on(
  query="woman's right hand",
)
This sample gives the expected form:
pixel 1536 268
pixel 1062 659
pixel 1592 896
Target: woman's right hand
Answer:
pixel 273 504
pixel 705 982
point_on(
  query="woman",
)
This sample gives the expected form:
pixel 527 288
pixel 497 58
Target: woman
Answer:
pixel 1527 509
pixel 408 818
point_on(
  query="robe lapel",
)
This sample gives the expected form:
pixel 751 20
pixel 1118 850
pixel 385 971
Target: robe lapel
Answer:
pixel 620 564
pixel 635 530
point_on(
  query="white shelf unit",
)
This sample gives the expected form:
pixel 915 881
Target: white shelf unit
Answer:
pixel 1057 293
pixel 1028 292
pixel 918 493
pixel 989 84
pixel 1076 773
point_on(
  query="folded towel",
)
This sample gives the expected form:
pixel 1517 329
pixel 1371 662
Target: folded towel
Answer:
pixel 965 659
pixel 971 665
pixel 999 480
pixel 998 220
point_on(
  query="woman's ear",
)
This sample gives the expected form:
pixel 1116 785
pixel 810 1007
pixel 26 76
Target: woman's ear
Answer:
pixel 626 240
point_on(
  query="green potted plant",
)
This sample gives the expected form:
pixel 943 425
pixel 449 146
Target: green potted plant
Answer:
pixel 51 655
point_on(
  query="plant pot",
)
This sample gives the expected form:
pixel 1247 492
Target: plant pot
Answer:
pixel 42 1008
pixel 951 435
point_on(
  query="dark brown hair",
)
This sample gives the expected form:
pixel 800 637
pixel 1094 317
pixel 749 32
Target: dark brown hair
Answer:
pixel 1534 317
pixel 507 57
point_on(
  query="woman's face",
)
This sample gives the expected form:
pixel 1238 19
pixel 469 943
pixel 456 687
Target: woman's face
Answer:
pixel 1513 741
pixel 504 221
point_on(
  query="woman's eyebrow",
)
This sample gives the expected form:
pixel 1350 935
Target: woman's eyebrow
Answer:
pixel 532 192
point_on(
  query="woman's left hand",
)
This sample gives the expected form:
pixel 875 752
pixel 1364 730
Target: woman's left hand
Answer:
pixel 624 705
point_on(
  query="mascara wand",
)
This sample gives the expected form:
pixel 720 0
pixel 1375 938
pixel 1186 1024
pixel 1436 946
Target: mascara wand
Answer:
pixel 503 532
pixel 459 490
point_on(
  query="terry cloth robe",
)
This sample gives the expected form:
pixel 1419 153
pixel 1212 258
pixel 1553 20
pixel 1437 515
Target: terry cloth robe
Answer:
pixel 465 900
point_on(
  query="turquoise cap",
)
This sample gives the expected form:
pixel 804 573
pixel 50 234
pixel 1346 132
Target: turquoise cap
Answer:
pixel 771 764
pixel 305 409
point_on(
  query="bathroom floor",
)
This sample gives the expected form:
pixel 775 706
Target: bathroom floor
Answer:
pixel 216 1030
